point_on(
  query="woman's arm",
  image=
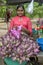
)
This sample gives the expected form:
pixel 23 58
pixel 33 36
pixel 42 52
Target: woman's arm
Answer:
pixel 29 24
pixel 26 31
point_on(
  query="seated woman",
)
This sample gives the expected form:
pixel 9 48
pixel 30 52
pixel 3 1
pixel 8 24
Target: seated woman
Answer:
pixel 23 47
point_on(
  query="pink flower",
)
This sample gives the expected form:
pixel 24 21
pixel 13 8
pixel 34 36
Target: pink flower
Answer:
pixel 16 33
pixel 36 50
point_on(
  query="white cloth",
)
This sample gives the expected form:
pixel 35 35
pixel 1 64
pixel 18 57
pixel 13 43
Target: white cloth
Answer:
pixel 29 9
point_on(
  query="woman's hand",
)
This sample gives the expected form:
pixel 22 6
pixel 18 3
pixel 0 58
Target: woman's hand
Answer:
pixel 26 30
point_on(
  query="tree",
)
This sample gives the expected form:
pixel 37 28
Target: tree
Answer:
pixel 38 10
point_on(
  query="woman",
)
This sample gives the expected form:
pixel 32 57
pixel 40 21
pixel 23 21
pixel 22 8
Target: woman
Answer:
pixel 23 47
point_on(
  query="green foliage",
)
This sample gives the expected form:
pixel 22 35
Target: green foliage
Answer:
pixel 2 11
pixel 4 1
pixel 37 11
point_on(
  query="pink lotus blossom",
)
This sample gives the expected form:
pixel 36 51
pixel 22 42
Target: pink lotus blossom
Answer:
pixel 16 33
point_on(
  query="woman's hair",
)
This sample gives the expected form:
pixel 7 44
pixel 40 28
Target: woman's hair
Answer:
pixel 18 6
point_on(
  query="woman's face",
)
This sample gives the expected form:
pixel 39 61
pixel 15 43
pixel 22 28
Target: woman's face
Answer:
pixel 20 11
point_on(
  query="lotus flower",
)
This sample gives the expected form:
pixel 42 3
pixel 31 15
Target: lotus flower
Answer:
pixel 36 50
pixel 16 33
